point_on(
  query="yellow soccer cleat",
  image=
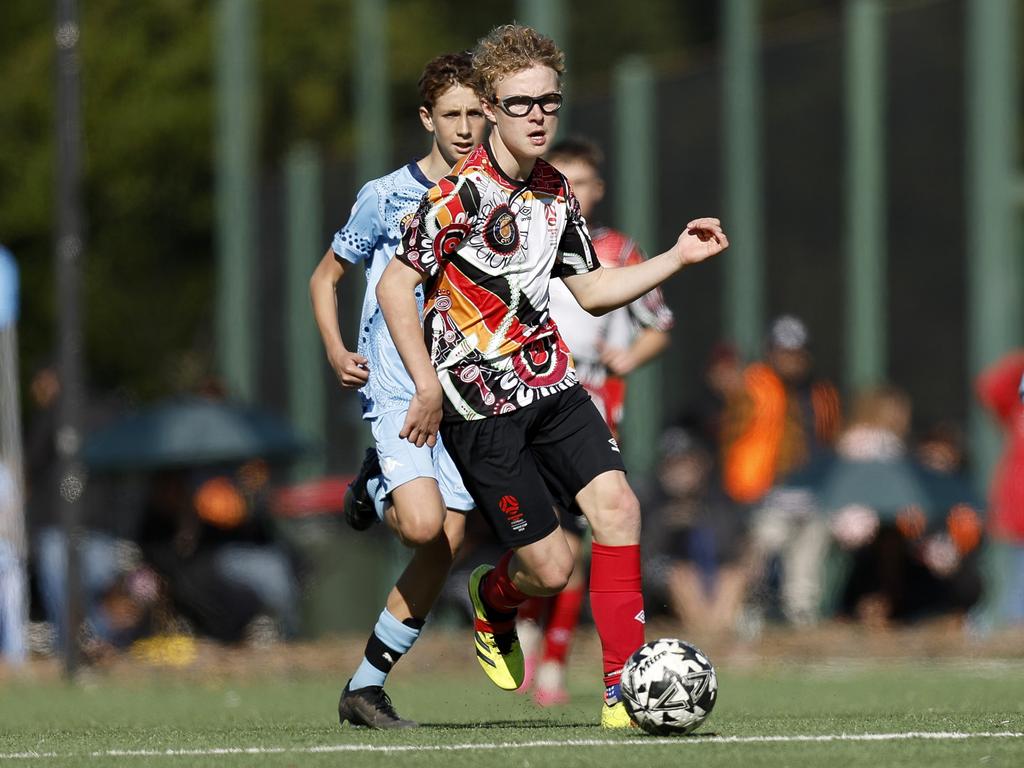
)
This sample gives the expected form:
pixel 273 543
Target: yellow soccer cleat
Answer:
pixel 499 654
pixel 616 716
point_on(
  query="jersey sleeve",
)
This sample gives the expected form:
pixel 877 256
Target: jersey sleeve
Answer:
pixel 355 241
pixel 443 220
pixel 576 254
pixel 649 311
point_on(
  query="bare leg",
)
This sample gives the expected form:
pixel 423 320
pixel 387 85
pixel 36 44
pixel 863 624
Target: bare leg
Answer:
pixel 730 591
pixel 686 593
pixel 416 513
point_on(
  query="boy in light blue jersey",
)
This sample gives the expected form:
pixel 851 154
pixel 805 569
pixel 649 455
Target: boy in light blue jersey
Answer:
pixel 417 487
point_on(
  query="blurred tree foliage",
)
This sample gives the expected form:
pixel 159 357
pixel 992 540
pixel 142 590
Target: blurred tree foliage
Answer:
pixel 148 107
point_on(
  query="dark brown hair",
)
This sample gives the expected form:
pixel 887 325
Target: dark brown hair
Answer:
pixel 442 73
pixel 579 149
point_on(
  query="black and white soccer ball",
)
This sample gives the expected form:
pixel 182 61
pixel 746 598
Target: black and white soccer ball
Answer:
pixel 669 687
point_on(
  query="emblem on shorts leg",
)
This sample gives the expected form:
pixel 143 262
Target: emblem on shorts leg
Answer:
pixel 614 444
pixel 510 506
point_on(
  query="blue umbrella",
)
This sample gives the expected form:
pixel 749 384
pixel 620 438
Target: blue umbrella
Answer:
pixel 190 432
pixel 884 486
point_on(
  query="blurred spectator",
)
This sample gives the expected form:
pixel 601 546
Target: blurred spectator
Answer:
pixel 208 534
pixel 881 522
pixel 702 535
pixel 778 429
pixel 722 382
pixel 781 420
pixel 107 556
pixel 12 576
pixel 949 549
pixel 1001 390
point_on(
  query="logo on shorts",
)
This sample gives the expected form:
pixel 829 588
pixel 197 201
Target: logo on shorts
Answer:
pixel 389 464
pixel 510 506
pixel 614 445
pixel 640 617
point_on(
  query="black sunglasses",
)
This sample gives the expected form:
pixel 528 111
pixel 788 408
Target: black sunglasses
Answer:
pixel 521 106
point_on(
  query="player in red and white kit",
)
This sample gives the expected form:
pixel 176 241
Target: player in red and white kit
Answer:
pixel 494 376
pixel 605 349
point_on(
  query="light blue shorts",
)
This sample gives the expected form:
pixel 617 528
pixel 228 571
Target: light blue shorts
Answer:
pixel 401 461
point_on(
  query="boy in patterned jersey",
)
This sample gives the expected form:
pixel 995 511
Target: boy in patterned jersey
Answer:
pixel 419 487
pixel 486 240
pixel 605 350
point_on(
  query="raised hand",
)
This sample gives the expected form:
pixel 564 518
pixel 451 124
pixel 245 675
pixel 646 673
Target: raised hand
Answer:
pixel 702 239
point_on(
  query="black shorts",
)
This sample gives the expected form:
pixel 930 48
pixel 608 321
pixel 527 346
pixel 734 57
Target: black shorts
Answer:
pixel 518 466
pixel 572 520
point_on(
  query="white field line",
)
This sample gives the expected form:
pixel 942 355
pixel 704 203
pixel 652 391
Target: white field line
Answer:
pixel 544 744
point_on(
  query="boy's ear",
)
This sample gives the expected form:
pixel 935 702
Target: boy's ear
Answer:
pixel 426 119
pixel 488 110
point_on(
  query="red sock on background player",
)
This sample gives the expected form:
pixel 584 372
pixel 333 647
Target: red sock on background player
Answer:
pixel 561 624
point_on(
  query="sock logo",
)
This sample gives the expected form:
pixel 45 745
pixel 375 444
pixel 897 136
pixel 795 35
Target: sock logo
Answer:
pixel 387 655
pixel 510 506
pixel 640 618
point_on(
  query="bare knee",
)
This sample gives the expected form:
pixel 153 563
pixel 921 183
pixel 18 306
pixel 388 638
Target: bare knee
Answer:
pixel 549 574
pixel 614 514
pixel 417 529
pixel 553 578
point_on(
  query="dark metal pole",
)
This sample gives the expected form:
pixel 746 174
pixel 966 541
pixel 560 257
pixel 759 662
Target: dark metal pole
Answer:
pixel 744 193
pixel 994 274
pixel 236 140
pixel 307 396
pixel 866 324
pixel 68 264
pixel 636 179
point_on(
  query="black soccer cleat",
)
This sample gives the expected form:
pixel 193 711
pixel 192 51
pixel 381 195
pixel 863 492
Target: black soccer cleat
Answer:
pixel 359 511
pixel 370 707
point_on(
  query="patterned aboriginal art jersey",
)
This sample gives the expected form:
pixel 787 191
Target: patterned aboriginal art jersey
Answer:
pixel 489 246
pixel 585 334
pixel 371 235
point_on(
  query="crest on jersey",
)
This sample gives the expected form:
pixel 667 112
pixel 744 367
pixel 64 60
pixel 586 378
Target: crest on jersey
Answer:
pixel 501 233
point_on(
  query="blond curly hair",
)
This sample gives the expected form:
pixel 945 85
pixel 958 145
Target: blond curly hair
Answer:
pixel 511 48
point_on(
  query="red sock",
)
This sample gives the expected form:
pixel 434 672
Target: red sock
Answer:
pixel 497 588
pixel 565 615
pixel 534 609
pixel 617 605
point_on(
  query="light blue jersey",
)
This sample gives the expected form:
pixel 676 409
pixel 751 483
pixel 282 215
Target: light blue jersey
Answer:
pixel 371 236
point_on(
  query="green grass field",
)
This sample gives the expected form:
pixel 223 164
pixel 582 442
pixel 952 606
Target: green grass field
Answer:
pixel 847 714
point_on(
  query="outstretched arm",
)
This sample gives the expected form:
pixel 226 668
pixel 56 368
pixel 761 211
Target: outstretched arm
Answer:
pixel 648 344
pixel 350 367
pixel 603 290
pixel 397 299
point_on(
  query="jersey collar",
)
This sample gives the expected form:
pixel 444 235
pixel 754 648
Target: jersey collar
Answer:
pixel 417 173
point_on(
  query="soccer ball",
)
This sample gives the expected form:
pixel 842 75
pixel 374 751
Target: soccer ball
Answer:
pixel 669 687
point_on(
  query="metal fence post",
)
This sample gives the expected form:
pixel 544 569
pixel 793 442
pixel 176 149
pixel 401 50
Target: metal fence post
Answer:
pixel 306 390
pixel 866 294
pixel 744 265
pixel 235 194
pixel 635 211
